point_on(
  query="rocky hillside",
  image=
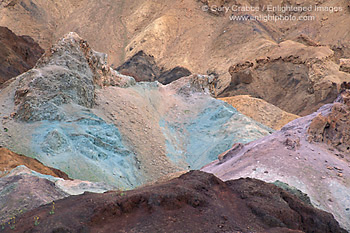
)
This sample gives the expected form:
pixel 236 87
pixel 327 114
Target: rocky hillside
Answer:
pixel 17 54
pixel 310 153
pixel 297 78
pixel 73 107
pixel 261 111
pixel 97 143
pixel 172 31
pixel 195 202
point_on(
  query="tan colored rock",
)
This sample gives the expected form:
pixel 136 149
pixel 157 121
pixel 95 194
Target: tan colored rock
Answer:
pixel 10 160
pixel 345 65
pixel 293 76
pixel 231 152
pixel 176 33
pixel 333 128
pixel 260 111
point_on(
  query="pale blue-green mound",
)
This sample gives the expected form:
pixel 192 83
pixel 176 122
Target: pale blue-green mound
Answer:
pixel 74 113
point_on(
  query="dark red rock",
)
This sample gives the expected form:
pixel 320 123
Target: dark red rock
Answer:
pixel 194 202
pixel 17 54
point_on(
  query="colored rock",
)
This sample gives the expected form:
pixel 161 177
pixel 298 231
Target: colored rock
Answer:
pixel 310 153
pixel 73 107
pixel 17 54
pixel 10 160
pixel 194 202
pixel 345 65
pixel 21 193
pixel 22 190
pixel 261 111
pixel 144 69
pixel 333 128
pixel 297 78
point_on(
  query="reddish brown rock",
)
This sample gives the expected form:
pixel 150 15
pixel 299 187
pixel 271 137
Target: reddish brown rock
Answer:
pixel 194 202
pixel 231 152
pixel 10 160
pixel 334 127
pixel 17 54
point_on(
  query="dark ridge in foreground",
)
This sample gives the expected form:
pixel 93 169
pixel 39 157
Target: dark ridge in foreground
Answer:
pixel 17 54
pixel 194 202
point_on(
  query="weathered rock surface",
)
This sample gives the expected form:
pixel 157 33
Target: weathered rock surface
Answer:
pixel 23 189
pixel 294 77
pixel 195 202
pixel 68 73
pixel 17 54
pixel 345 65
pixel 73 107
pixel 179 33
pixel 169 76
pixel 260 111
pixel 333 128
pixel 144 68
pixel 10 160
pixel 21 193
pixel 310 153
pixel 140 66
pixel 71 187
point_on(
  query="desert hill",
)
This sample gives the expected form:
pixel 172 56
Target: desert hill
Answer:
pixel 193 202
pixel 310 153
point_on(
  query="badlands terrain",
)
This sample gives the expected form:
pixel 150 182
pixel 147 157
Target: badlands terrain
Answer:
pixel 169 116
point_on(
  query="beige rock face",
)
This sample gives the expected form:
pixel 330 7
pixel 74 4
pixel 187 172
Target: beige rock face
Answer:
pixel 175 32
pixel 261 111
pixel 293 76
pixel 345 65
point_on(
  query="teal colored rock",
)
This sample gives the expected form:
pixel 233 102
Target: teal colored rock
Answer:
pixel 74 113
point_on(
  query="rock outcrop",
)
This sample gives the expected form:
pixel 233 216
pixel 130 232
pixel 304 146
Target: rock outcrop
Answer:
pixel 68 73
pixel 140 66
pixel 10 160
pixel 310 153
pixel 345 65
pixel 21 193
pixel 172 75
pixel 22 190
pixel 17 54
pixel 333 128
pixel 294 77
pixel 144 69
pixel 260 111
pixel 180 33
pixel 194 202
pixel 73 107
